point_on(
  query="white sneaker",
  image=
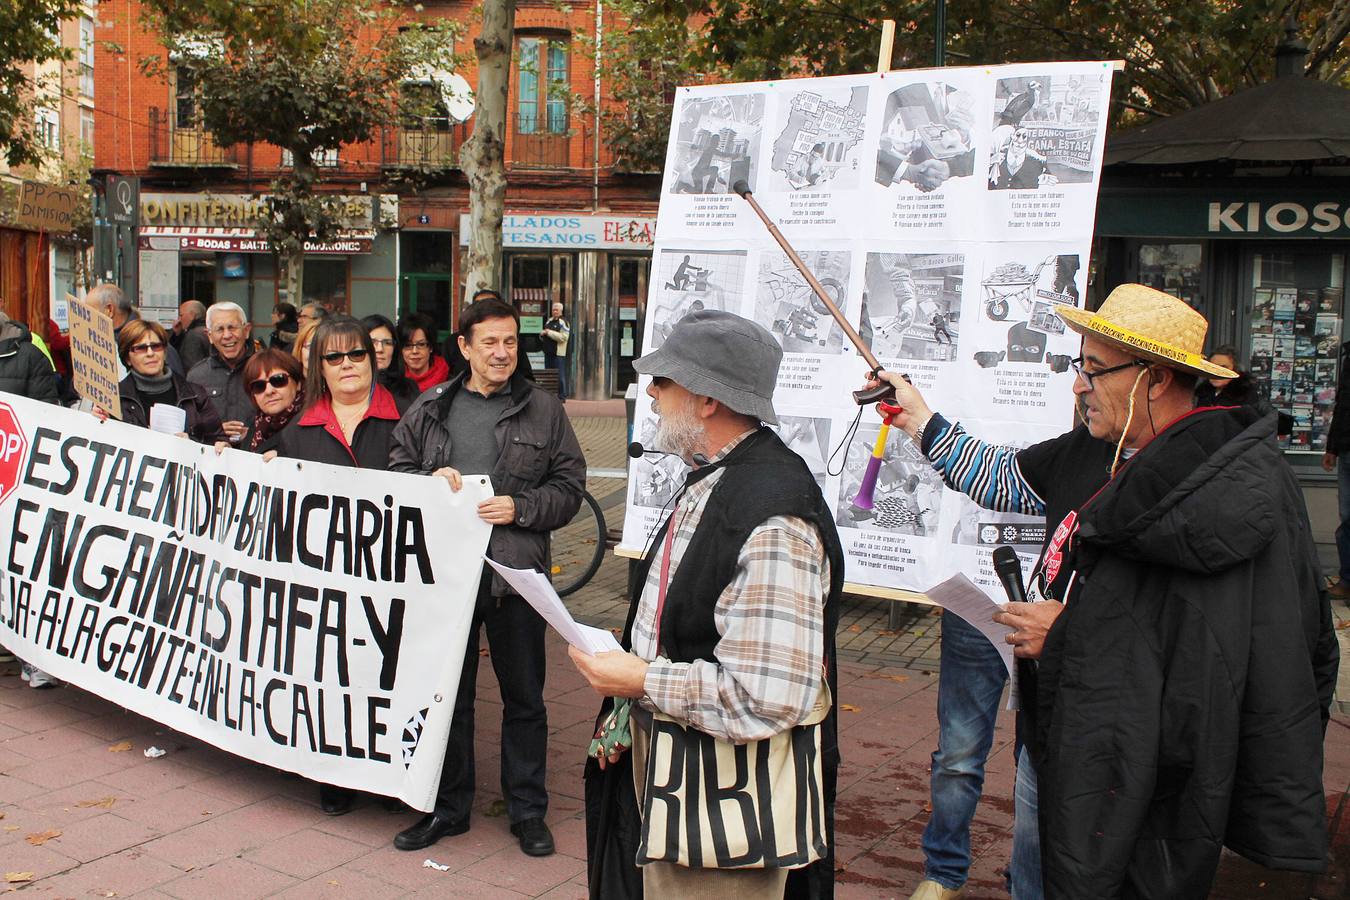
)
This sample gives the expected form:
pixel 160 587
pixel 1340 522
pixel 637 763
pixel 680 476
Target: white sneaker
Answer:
pixel 38 678
pixel 23 671
pixel 932 890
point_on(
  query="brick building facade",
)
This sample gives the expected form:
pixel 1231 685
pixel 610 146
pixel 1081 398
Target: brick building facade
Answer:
pixel 577 231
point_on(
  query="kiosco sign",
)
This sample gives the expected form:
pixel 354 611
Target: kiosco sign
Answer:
pixel 13 449
pixel 1283 218
pixel 1147 211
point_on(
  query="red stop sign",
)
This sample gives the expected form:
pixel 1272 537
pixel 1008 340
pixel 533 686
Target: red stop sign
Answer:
pixel 13 450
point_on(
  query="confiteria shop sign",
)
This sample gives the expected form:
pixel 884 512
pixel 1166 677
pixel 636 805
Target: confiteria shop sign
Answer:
pixel 233 210
pixel 1155 212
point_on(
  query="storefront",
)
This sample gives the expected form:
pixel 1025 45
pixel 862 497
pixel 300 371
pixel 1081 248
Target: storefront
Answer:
pixel 1242 208
pixel 596 266
pixel 205 247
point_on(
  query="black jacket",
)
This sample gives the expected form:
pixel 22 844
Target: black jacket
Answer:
pixel 1242 391
pixel 1184 690
pixel 1338 435
pixel 203 422
pixel 225 386
pixel 314 435
pixel 193 345
pixel 24 369
pixel 540 467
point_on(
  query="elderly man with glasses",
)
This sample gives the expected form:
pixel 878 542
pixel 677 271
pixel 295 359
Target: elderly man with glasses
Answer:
pixel 1177 662
pixel 222 372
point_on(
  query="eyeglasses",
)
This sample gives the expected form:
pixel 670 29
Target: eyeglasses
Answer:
pixel 1090 377
pixel 384 342
pixel 416 345
pixel 356 354
pixel 227 329
pixel 276 380
pixel 151 347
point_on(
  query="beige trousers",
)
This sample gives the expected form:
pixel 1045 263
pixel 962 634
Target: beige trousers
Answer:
pixel 669 881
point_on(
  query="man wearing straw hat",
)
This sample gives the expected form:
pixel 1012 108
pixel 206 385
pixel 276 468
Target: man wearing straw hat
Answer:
pixel 1186 671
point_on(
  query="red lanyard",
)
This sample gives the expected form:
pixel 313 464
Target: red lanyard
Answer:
pixel 666 547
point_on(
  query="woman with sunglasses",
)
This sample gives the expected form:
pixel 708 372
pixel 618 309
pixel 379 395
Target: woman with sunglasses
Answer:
pixel 143 346
pixel 421 362
pixel 389 360
pixel 347 421
pixel 275 382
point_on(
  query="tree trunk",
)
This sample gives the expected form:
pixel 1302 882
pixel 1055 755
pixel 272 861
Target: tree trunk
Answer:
pixel 295 277
pixel 483 156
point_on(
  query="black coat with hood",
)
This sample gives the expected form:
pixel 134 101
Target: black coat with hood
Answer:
pixel 24 370
pixel 203 422
pixel 1184 690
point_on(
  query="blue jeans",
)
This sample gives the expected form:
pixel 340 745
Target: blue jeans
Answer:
pixel 1024 873
pixel 970 683
pixel 1343 530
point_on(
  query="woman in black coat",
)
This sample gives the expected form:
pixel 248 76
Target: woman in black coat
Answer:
pixel 348 420
pixel 143 346
pixel 1240 391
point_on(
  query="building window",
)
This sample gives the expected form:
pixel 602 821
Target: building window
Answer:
pixel 185 97
pixel 49 128
pixel 542 97
pixel 86 56
pixel 324 159
pixel 1298 309
pixel 87 132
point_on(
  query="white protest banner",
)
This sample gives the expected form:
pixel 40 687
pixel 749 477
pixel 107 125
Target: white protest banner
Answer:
pixel 948 211
pixel 309 617
pixel 93 356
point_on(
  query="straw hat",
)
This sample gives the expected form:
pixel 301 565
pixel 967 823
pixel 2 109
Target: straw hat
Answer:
pixel 1151 325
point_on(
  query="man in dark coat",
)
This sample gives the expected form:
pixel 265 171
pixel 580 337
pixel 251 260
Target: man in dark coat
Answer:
pixel 1186 672
pixel 492 421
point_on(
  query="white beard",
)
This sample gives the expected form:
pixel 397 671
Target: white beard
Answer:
pixel 679 433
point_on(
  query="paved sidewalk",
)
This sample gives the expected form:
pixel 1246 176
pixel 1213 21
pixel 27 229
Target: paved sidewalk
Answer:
pixel 84 813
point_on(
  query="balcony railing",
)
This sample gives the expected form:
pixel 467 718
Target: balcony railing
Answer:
pixel 173 144
pixel 540 143
pixel 434 143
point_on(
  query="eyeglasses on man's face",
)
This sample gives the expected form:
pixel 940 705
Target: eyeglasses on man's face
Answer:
pixel 1080 369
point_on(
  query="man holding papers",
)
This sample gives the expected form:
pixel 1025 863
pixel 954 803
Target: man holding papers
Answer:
pixel 492 421
pixel 731 631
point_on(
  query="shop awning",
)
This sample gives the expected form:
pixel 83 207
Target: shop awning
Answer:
pixel 1291 119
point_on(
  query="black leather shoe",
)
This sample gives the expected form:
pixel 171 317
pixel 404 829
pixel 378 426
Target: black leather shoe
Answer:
pixel 334 800
pixel 535 838
pixel 430 829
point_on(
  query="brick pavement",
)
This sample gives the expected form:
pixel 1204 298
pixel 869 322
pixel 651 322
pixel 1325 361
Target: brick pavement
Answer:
pixel 200 822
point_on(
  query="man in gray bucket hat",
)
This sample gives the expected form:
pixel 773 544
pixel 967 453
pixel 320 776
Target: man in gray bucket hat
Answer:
pixel 731 624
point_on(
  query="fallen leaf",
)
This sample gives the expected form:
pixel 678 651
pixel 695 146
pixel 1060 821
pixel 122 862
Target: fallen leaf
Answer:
pixel 18 877
pixel 120 747
pixel 1345 624
pixel 886 632
pixel 11 827
pixel 849 707
pixel 102 803
pixel 855 628
pixel 483 652
pixel 37 840
pixel 887 677
pixel 557 570
pixel 496 808
pixel 333 882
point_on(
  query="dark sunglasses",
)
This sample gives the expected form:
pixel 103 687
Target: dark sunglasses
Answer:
pixel 355 355
pixel 277 380
pixel 152 347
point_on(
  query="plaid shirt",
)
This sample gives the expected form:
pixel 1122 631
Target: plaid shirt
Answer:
pixel 771 621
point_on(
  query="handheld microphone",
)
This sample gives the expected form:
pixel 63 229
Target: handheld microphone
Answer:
pixel 1009 570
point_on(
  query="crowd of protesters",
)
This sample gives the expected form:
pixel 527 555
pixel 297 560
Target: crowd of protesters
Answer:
pixel 1180 595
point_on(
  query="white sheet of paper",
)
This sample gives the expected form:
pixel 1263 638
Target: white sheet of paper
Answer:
pixel 167 419
pixel 538 592
pixel 960 596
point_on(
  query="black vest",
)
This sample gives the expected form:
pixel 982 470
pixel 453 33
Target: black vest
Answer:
pixel 763 478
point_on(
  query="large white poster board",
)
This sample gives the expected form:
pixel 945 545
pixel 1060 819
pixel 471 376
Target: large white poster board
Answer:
pixel 947 211
pixel 284 611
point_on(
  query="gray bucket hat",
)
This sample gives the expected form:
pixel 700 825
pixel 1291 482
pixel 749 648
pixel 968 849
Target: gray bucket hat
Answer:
pixel 723 356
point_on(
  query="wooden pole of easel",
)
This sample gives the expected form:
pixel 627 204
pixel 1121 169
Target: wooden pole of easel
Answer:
pixel 887 42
